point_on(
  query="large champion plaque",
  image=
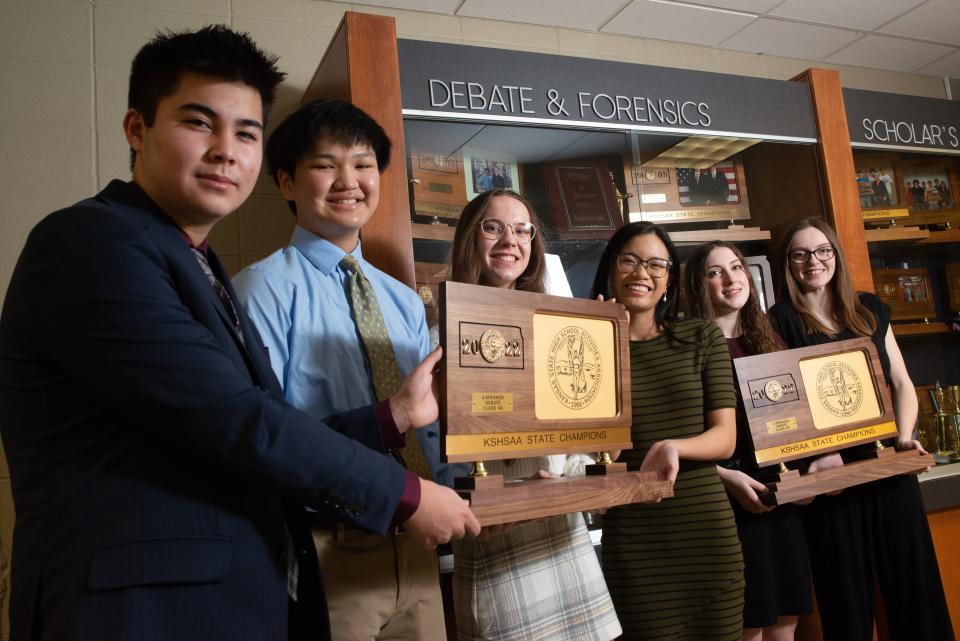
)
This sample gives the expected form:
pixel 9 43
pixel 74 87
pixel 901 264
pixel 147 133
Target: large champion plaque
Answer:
pixel 815 400
pixel 529 374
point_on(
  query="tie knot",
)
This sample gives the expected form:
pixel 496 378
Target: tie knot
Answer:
pixel 349 263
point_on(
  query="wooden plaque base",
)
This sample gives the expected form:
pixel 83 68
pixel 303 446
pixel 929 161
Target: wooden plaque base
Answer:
pixel 794 486
pixel 509 502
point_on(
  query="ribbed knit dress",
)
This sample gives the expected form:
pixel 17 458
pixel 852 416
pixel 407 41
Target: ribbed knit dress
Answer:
pixel 674 569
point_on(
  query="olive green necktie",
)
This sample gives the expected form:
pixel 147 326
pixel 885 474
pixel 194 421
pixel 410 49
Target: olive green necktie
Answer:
pixel 379 348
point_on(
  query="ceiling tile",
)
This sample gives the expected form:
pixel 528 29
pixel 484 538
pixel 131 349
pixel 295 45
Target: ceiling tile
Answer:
pixel 430 6
pixel 750 6
pixel 892 54
pixel 789 39
pixel 677 22
pixel 858 15
pixel 573 15
pixel 949 66
pixel 937 20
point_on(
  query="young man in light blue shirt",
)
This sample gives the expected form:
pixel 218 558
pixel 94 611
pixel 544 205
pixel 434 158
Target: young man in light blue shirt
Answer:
pixel 327 159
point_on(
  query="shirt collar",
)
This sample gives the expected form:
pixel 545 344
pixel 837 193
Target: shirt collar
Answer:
pixel 321 253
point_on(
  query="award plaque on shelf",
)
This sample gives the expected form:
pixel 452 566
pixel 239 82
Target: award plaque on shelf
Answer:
pixel 907 292
pixel 583 198
pixel 692 195
pixel 816 400
pixel 439 187
pixel 529 374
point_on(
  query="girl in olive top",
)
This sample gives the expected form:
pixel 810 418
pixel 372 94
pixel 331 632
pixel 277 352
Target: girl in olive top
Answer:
pixel 876 533
pixel 674 568
pixel 776 566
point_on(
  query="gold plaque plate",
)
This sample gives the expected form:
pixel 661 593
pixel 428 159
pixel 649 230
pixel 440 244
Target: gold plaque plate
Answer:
pixel 574 368
pixel 839 389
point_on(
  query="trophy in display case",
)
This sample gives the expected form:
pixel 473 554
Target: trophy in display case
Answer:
pixel 816 400
pixel 946 422
pixel 679 194
pixel 528 374
pixel 439 185
pixel 907 292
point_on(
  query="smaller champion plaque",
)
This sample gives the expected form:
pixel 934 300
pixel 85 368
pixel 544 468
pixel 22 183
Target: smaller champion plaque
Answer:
pixel 530 374
pixel 815 400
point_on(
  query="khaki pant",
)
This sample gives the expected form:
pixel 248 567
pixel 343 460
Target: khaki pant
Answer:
pixel 379 588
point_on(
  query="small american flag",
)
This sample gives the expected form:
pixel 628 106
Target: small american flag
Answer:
pixel 707 187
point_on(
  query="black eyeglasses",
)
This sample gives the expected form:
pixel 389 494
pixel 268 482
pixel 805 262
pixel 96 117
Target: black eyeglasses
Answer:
pixel 800 256
pixel 495 229
pixel 656 267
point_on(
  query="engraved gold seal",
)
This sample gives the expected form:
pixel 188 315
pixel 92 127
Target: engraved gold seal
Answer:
pixel 492 345
pixel 839 389
pixel 574 367
pixel 773 390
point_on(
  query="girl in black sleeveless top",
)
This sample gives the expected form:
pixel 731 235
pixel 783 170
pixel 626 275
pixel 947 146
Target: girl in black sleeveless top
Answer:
pixel 874 534
pixel 776 566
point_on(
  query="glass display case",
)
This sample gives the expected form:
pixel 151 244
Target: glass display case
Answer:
pixel 584 184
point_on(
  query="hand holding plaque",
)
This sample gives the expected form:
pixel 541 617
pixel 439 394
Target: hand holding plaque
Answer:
pixel 530 374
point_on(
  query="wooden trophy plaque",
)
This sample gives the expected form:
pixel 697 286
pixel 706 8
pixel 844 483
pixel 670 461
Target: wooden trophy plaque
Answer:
pixel 528 375
pixel 816 400
pixel 907 292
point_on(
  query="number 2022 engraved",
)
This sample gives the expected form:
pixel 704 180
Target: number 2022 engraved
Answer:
pixel 499 346
pixel 472 346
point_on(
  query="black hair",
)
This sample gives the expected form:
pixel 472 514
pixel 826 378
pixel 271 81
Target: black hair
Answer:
pixel 215 50
pixel 665 313
pixel 332 121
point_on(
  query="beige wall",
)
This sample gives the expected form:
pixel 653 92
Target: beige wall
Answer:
pixel 63 72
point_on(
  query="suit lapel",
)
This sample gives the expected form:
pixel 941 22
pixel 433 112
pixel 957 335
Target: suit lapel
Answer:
pixel 190 279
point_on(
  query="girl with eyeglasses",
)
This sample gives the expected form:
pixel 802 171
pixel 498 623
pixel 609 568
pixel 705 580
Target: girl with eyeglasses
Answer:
pixel 536 580
pixel 674 569
pixel 776 567
pixel 875 534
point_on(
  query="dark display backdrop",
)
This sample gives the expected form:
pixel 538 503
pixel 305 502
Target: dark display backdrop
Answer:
pixel 441 80
pixel 894 121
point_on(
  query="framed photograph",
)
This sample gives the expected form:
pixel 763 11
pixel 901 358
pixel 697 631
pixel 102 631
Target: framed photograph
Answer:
pixel 691 195
pixel 485 170
pixel 583 198
pixel 762 277
pixel 715 185
pixel 876 182
pixel 927 188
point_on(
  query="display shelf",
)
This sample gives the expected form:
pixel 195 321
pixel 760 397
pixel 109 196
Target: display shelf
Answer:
pixel 895 234
pixel 947 236
pixel 433 231
pixel 734 235
pixel 910 329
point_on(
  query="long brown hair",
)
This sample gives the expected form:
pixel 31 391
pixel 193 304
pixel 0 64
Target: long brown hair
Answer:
pixel 848 311
pixel 758 334
pixel 465 263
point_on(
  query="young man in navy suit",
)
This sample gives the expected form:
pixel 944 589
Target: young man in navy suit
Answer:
pixel 150 448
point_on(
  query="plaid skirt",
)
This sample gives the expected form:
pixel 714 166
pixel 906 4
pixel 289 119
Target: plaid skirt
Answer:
pixel 537 582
